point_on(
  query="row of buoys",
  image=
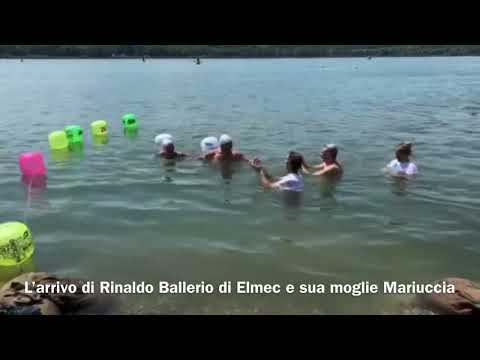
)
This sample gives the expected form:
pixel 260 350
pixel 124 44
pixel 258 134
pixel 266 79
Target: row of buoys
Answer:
pixel 73 135
pixel 32 164
pixel 16 241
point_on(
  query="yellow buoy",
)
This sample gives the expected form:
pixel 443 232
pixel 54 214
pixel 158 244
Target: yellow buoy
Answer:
pixel 16 244
pixel 58 140
pixel 99 128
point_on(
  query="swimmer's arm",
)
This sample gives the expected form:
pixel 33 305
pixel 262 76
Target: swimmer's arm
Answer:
pixel 241 157
pixel 308 169
pixel 319 167
pixel 268 181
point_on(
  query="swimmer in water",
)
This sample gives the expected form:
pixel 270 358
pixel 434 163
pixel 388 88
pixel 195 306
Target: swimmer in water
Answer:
pixel 330 169
pixel 225 158
pixel 403 167
pixel 293 181
pixel 226 153
pixel 169 152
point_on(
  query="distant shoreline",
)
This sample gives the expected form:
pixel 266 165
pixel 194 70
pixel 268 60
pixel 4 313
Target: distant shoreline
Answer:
pixel 121 52
pixel 224 57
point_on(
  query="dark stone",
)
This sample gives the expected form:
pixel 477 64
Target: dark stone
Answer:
pixel 14 299
pixel 465 301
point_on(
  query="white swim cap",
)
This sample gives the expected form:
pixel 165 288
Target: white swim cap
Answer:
pixel 209 144
pixel 225 139
pixel 160 138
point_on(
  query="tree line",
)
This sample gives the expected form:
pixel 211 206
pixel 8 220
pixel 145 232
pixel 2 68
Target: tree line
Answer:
pixel 232 51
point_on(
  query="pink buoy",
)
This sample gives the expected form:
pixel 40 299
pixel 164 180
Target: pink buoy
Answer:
pixel 32 164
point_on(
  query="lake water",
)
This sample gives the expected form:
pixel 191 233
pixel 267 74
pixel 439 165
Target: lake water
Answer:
pixel 113 212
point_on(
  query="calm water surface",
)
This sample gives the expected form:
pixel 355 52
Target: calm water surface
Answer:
pixel 112 212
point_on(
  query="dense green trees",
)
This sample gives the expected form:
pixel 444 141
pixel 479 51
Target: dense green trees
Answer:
pixel 236 50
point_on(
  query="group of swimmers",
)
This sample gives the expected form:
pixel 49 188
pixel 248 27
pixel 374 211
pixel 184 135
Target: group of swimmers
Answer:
pixel 329 169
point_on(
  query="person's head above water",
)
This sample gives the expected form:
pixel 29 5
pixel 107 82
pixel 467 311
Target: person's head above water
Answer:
pixel 404 152
pixel 168 146
pixel 226 144
pixel 330 153
pixel 294 162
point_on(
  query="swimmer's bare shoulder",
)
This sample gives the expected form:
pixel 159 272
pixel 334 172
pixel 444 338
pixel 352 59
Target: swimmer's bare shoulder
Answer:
pixel 330 170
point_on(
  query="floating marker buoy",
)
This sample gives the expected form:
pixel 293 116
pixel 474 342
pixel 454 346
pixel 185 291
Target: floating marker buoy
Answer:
pixel 74 134
pixel 16 244
pixel 32 164
pixel 58 140
pixel 130 122
pixel 99 128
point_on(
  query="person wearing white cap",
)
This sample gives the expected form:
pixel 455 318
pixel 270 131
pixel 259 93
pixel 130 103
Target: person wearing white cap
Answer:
pixel 330 168
pixel 225 154
pixel 169 152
